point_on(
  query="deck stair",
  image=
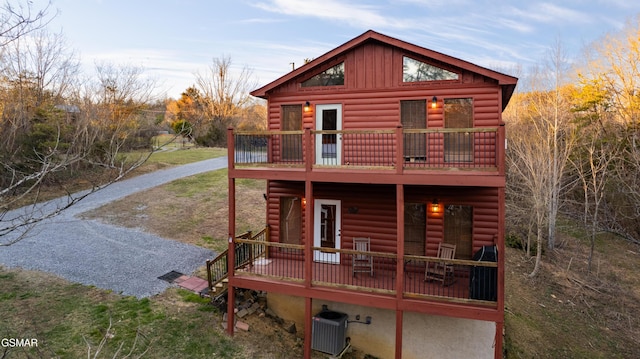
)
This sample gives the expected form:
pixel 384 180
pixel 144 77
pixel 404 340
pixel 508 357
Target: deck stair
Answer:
pixel 245 254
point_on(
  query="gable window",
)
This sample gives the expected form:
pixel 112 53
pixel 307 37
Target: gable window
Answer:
pixel 291 143
pixel 417 71
pixel 458 145
pixel 290 220
pixel 333 76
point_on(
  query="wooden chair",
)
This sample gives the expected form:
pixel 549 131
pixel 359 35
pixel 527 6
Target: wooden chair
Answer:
pixel 439 271
pixel 362 263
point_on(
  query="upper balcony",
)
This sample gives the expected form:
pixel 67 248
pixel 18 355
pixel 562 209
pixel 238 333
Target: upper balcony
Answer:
pixel 380 155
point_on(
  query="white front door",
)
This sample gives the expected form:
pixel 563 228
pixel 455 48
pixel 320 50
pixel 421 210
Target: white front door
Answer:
pixel 327 229
pixel 329 145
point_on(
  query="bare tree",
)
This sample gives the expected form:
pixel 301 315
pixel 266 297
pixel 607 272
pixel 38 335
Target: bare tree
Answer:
pixel 561 141
pixel 224 93
pixel 121 94
pixel 20 18
pixel 611 65
pixel 527 156
pixel 57 127
pixel 596 151
pixel 36 73
pixel 540 141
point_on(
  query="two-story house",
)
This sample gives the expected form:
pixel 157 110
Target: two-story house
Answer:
pixel 385 171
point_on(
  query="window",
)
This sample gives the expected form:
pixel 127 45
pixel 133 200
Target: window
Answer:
pixel 292 121
pixel 415 228
pixel 458 113
pixel 290 220
pixel 333 76
pixel 458 229
pixel 413 115
pixel 416 71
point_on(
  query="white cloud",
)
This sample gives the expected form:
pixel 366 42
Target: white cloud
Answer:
pixel 368 16
pixel 550 13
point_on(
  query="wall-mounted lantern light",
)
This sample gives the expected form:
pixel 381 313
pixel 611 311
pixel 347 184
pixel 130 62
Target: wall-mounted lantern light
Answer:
pixel 307 106
pixel 435 206
pixel 434 102
pixel 304 202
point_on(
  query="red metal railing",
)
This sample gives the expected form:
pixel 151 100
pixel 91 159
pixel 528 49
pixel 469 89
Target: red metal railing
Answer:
pixel 465 148
pixel 469 282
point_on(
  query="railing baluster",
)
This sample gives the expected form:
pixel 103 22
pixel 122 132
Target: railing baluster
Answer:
pixel 421 148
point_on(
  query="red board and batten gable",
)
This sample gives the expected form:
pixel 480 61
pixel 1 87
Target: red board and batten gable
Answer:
pixel 373 61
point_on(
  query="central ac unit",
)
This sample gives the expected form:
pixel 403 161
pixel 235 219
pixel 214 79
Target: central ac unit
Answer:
pixel 329 332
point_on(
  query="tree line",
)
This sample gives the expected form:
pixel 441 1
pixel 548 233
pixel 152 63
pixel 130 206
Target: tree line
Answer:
pixel 574 145
pixel 59 125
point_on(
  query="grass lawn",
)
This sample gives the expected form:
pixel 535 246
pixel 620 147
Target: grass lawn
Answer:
pixel 176 156
pixel 69 320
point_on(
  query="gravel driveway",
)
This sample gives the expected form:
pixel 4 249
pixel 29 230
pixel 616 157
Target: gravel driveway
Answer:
pixel 127 261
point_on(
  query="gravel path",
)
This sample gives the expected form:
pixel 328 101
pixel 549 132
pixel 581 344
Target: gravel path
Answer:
pixel 127 261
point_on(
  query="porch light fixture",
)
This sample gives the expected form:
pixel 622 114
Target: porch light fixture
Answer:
pixel 304 202
pixel 434 102
pixel 435 206
pixel 307 106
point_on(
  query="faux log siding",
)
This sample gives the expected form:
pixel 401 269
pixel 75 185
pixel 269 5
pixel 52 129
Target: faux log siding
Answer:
pixel 376 211
pixel 435 231
pixel 381 110
pixel 375 217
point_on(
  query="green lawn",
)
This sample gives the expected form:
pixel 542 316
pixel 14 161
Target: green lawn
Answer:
pixel 70 320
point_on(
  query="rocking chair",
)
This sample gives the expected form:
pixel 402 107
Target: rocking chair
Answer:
pixel 361 262
pixel 442 271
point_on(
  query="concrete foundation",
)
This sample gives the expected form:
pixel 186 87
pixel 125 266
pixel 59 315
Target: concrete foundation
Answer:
pixel 424 336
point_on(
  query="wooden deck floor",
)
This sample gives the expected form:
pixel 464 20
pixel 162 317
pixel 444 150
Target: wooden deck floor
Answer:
pixel 382 281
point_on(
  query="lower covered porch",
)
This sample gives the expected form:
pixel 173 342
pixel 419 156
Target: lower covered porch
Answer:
pixel 311 248
pixel 472 282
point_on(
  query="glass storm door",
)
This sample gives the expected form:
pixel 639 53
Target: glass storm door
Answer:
pixel 329 144
pixel 327 230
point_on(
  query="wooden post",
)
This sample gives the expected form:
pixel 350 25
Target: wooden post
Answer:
pixel 231 253
pixel 399 263
pixel 499 243
pixel 501 144
pixel 308 240
pixel 399 150
pixel 209 279
pixel 309 233
pixel 307 328
pixel 230 150
pixel 399 324
pixel 308 148
pixel 399 241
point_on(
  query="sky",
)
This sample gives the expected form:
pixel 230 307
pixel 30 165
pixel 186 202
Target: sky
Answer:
pixel 175 39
